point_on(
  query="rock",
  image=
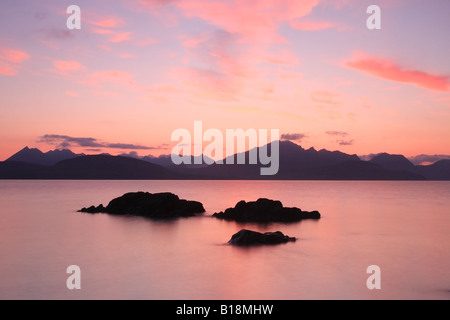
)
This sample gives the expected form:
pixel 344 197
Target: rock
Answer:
pixel 93 209
pixel 249 238
pixel 265 211
pixel 157 206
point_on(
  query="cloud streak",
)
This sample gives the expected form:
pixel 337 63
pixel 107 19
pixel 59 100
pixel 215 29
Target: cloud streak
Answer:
pixel 252 19
pixel 63 141
pixel 293 136
pixel 109 22
pixel 310 25
pixel 345 142
pixel 425 159
pixel 242 38
pixel 64 67
pixel 108 26
pixel 337 133
pixel 389 70
pixel 342 135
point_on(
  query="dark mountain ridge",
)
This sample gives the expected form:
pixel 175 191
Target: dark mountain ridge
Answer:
pixel 295 163
pixel 36 156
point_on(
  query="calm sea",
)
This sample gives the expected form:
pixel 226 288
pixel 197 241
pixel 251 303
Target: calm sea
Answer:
pixel 402 227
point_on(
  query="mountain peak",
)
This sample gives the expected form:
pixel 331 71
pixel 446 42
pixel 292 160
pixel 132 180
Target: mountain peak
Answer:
pixel 30 149
pixel 287 144
pixel 392 161
pixel 36 156
pixel 26 154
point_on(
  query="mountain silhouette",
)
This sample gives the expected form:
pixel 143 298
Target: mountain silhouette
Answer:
pixel 437 171
pixel 440 170
pixel 22 170
pixel 393 162
pixel 36 156
pixel 359 170
pixel 109 167
pixel 425 159
pixel 295 163
pixel 165 160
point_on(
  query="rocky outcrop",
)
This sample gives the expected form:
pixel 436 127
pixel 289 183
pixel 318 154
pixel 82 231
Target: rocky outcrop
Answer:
pixel 265 211
pixel 156 206
pixel 252 238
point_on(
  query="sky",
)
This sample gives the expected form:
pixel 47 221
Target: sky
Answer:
pixel 138 70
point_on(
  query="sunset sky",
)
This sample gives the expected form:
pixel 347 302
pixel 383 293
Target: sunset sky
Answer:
pixel 140 69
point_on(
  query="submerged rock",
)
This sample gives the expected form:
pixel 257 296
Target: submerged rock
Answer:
pixel 265 211
pixel 156 205
pixel 249 238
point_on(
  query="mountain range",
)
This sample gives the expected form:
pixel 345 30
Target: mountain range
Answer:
pixel 295 163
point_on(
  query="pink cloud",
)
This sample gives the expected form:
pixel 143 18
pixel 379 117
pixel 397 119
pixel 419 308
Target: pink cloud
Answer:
pixel 105 94
pixel 224 63
pixel 106 26
pixel 64 67
pixel 126 55
pixel 101 31
pixel 13 56
pixel 193 41
pixel 109 22
pixel 246 21
pixel 283 57
pixel 164 89
pixel 104 47
pixel 229 68
pixel 444 99
pixel 289 75
pixel 120 37
pixel 113 36
pixel 218 67
pixel 50 44
pixel 71 93
pixel 10 61
pixel 222 54
pixel 146 41
pixel 310 25
pixel 254 20
pixel 97 19
pixel 389 70
pixel 7 70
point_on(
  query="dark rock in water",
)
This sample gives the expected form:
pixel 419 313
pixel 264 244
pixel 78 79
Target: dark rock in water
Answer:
pixel 265 211
pixel 157 206
pixel 249 238
pixel 93 209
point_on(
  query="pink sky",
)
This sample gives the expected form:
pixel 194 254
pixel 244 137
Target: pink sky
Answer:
pixel 140 69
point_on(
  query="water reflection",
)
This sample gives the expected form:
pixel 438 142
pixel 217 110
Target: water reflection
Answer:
pixel 400 226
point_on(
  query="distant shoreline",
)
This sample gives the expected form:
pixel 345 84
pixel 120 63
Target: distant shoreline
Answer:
pixel 295 163
pixel 262 180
